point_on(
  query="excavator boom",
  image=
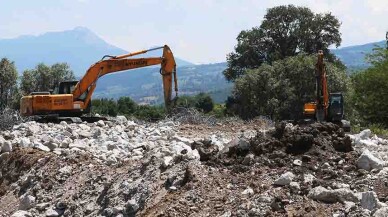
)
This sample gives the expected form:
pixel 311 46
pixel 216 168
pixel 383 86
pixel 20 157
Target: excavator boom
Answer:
pixel 77 101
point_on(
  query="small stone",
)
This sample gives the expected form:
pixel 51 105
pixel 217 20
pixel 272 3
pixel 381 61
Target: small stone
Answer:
pixel 325 165
pixel 248 159
pixel 369 200
pixel 131 206
pixel 295 187
pixel 297 162
pixel 167 161
pixel 308 178
pixel 100 123
pixel 285 179
pixel 3 156
pixel 42 206
pixel 85 134
pixel 41 147
pixel 349 206
pixel 26 202
pixel 24 142
pixel 21 213
pixel 51 145
pixel 172 188
pixel 52 213
pixel 247 192
pixel 7 147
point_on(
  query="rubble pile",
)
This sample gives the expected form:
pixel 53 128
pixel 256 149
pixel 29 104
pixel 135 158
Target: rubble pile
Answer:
pixel 123 168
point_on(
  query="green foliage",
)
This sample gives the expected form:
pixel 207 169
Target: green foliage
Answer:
pixel 150 113
pixel 104 107
pixel 281 89
pixel 126 106
pixel 284 32
pixel 45 78
pixel 8 82
pixel 202 102
pixel 370 95
pixel 219 111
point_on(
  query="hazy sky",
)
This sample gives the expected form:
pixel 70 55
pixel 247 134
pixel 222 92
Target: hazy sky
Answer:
pixel 200 31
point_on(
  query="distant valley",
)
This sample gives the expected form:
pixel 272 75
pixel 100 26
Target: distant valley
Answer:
pixel 80 48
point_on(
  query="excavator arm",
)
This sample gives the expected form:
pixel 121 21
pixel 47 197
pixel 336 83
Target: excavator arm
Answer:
pixel 85 87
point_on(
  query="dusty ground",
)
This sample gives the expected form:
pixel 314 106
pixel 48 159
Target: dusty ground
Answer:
pixel 235 181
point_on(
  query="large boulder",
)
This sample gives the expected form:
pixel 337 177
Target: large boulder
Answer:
pixel 368 162
pixel 285 179
pixel 332 196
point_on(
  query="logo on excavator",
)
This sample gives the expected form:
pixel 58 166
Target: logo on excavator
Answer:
pixel 137 63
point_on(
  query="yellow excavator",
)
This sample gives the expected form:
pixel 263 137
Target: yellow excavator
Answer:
pixel 327 106
pixel 73 98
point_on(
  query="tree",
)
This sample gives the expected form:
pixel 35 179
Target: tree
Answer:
pixel 126 106
pixel 281 89
pixel 8 82
pixel 204 103
pixel 45 78
pixel 370 89
pixel 285 31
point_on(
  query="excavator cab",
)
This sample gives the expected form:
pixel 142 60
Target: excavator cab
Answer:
pixel 336 107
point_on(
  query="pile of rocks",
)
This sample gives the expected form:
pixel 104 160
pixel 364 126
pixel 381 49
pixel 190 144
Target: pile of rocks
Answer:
pixel 111 142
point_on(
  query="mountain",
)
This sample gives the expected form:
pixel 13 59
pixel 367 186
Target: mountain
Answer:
pixel 145 85
pixel 79 47
pixel 354 56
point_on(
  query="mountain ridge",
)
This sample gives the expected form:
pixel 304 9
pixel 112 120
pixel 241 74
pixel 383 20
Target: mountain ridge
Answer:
pixel 79 47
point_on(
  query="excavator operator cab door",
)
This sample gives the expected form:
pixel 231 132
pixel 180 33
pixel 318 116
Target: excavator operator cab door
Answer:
pixel 336 107
pixel 66 87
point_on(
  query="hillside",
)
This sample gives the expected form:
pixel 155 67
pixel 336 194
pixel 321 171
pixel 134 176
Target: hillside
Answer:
pixel 80 47
pixel 354 56
pixel 145 85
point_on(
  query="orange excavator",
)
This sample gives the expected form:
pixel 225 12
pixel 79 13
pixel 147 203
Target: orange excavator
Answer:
pixel 73 98
pixel 327 107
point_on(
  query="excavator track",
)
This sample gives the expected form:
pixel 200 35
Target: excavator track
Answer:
pixel 58 119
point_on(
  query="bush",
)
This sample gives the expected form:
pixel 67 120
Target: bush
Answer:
pixel 150 113
pixel 202 102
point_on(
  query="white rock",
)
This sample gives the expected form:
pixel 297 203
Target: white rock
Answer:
pixel 85 134
pixel 25 142
pixel 308 178
pixel 7 147
pixel 121 119
pixel 100 123
pixel 369 200
pixel 297 162
pixel 285 179
pixel 26 202
pixel 51 145
pixel 331 196
pixel 84 127
pixel 41 147
pixel 295 187
pixel 365 134
pixel 21 213
pixel 167 161
pixel 382 212
pixel 66 170
pixel 52 213
pixel 80 144
pixel 247 192
pixel 368 162
pixel 349 206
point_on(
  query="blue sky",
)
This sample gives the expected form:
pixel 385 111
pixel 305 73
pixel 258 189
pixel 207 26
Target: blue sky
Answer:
pixel 200 31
